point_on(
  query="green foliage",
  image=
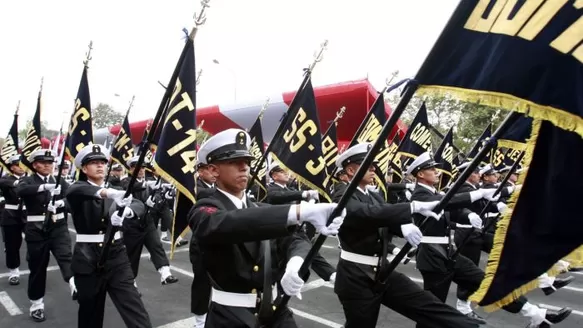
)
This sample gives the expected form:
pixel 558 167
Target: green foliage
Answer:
pixel 103 116
pixel 45 132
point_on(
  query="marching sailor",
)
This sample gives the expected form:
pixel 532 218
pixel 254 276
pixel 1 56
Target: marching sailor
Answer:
pixel 44 236
pixel 94 209
pixel 13 218
pixel 433 257
pixel 362 282
pixel 233 233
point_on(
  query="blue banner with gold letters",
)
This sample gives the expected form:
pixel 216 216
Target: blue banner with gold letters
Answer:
pixel 417 140
pixel 123 149
pixel 300 148
pixel 80 127
pixel 525 56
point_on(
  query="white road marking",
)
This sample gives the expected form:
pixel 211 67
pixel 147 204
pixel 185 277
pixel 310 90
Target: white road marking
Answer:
pixel 552 307
pixel 184 323
pixel 181 323
pixel 9 304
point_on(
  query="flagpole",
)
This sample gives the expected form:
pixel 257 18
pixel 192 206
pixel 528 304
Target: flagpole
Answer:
pixel 199 20
pixel 339 115
pixel 439 134
pixel 367 162
pixel 286 116
pixel 125 118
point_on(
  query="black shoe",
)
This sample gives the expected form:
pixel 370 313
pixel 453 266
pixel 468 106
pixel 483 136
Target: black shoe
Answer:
pixel 181 243
pixel 38 315
pixel 473 315
pixel 14 280
pixel 559 283
pixel 555 317
pixel 169 280
pixel 74 296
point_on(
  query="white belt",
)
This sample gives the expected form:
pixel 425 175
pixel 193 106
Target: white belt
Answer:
pixel 239 300
pixel 41 218
pixel 13 207
pixel 457 225
pixel 81 238
pixel 434 240
pixel 360 259
pixel 491 215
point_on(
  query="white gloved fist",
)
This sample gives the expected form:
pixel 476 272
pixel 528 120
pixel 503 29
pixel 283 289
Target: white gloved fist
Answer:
pixel 128 213
pixel 317 215
pixel 410 186
pixel 332 278
pixel 168 196
pixel 501 207
pixel 408 195
pixel 52 207
pixel 475 220
pixel 152 184
pixel 116 220
pixel 2 200
pixel 425 209
pixel 72 285
pixel 118 197
pixel 150 201
pixel 291 282
pixel 488 194
pixel 412 234
pixel 310 194
pixel 371 188
pixel 47 187
pixel 56 191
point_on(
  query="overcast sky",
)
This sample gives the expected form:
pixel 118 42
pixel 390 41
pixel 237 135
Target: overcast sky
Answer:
pixel 261 45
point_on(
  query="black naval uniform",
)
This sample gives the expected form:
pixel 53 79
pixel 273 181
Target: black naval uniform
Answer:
pixel 233 243
pixel 142 232
pixel 433 260
pixel 91 216
pixel 41 240
pixel 277 195
pixel 201 285
pixel 13 220
pixel 361 288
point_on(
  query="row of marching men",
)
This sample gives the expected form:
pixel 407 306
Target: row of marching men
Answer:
pixel 36 208
pixel 246 254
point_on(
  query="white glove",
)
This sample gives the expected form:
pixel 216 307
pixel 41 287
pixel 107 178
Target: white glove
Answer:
pixel 371 188
pixel 150 201
pixel 332 278
pixel 52 207
pixel 412 234
pixel 317 215
pixel 410 186
pixel 2 199
pixel 72 285
pixel 128 213
pixel 167 185
pixel 116 220
pixel 117 196
pixel 56 191
pixel 510 189
pixel 47 187
pixel 154 185
pixel 168 196
pixel 396 251
pixel 310 194
pixel 475 220
pixel 408 195
pixel 425 209
pixel 501 207
pixel 291 282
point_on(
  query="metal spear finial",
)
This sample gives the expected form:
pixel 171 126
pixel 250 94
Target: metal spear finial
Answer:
pixel 131 104
pixel 42 81
pixel 88 54
pixel 318 56
pixel 17 108
pixel 199 19
pixel 263 108
pixel 198 76
pixel 339 114
pixel 200 125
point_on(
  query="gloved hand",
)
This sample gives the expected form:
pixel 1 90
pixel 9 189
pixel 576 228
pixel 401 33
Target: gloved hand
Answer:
pixel 72 286
pixel 310 194
pixel 47 187
pixel 317 215
pixel 291 282
pixel 410 186
pixel 487 194
pixel 412 234
pixel 56 191
pixel 332 278
pixel 501 207
pixel 150 201
pixel 408 195
pixel 475 220
pixel 118 197
pixel 153 184
pixel 425 209
pixel 52 207
pixel 371 188
pixel 2 200
pixel 128 213
pixel 116 220
pixel 168 195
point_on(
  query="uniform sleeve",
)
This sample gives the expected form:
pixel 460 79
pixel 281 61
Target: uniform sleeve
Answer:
pixel 278 196
pixel 6 183
pixel 213 225
pixel 396 186
pixel 27 187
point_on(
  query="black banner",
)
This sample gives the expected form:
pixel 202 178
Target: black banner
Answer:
pixel 32 141
pixel 257 149
pixel 10 146
pixel 444 155
pixel 123 149
pixel 81 126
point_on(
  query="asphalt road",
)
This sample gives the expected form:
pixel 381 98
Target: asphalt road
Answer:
pixel 169 306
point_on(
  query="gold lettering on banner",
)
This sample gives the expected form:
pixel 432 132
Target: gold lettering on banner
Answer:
pixel 189 157
pixel 421 135
pixel 303 128
pixel 498 159
pixel 8 149
pixel 529 20
pixel 31 143
pixel 329 150
pixel 256 153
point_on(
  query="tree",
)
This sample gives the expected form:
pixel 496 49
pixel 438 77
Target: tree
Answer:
pixel 201 136
pixel 45 132
pixel 104 116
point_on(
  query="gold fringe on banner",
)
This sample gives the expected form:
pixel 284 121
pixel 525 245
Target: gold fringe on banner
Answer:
pixel 302 180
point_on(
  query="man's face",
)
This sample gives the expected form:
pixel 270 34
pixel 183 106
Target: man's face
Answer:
pixel 205 174
pixel 65 171
pixel 474 178
pixel 16 169
pixel 280 176
pixel 369 175
pixel 116 173
pixel 43 167
pixel 490 178
pixel 231 175
pixel 95 170
pixel 513 178
pixel 343 177
pixel 429 176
